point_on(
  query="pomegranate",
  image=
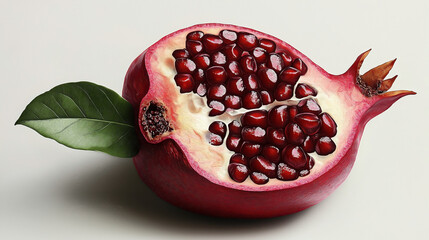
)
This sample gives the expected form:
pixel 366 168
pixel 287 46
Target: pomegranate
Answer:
pixel 236 123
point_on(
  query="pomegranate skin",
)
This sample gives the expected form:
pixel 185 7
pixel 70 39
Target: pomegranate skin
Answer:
pixel 165 168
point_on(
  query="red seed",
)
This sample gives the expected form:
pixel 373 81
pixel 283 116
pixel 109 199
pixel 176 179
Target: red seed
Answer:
pixel 238 172
pixel 286 173
pixel 251 82
pixel 185 82
pixel 309 105
pixel 228 36
pixel 278 116
pixel 325 146
pixel 294 134
pixel 216 92
pixel 216 75
pixel 308 145
pixel 252 100
pixel 300 65
pixel 218 58
pixel 215 139
pixel 328 126
pixel 303 90
pixel 266 97
pixel 271 153
pixel 290 75
pixel 259 54
pixel 287 59
pixel 283 91
pixel 180 53
pixel 292 112
pixel 194 47
pixel 253 134
pixel 202 60
pixel 262 165
pixel 267 44
pixel 295 157
pixel 248 64
pixel 196 35
pixel 233 69
pixel 212 43
pixel 308 122
pixel 201 90
pixel 234 127
pixel 218 127
pixel 259 178
pixel 235 86
pixel 185 65
pixel 238 158
pixel 256 118
pixel 217 108
pixel 198 76
pixel 268 78
pixel 276 137
pixel 232 102
pixel 233 143
pixel 275 62
pixel 249 149
pixel 247 41
pixel 232 52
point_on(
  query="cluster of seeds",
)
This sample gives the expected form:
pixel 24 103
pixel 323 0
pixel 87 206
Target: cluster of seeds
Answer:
pixel 237 70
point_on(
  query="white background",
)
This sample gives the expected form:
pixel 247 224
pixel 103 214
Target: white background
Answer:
pixel 48 191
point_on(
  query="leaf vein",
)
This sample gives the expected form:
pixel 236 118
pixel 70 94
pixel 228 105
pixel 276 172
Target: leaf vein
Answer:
pixel 44 104
pixel 110 101
pixel 53 96
pixel 68 126
pixel 90 99
pixel 83 114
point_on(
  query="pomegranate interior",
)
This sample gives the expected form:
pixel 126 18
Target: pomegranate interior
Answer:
pixel 246 111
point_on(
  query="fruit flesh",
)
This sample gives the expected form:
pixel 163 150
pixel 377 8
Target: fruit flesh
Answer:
pixel 202 184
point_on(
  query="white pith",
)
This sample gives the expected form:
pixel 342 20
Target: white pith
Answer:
pixel 191 120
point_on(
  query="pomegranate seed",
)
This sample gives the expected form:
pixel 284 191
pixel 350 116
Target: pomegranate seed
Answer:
pixel 249 149
pixel 238 158
pixel 308 122
pixel 212 43
pixel 233 143
pixel 201 90
pixel 185 65
pixel 215 139
pixel 198 76
pixel 233 69
pixel 218 127
pixel 251 82
pixel 268 78
pixel 275 62
pixel 290 75
pixel 300 65
pixel 232 52
pixel 216 92
pixel 185 82
pixel 266 97
pixel 292 112
pixel 235 86
pixel 217 108
pixel 252 100
pixel 262 165
pixel 232 102
pixel 278 116
pixel 287 59
pixel 259 54
pixel 228 36
pixel 234 127
pixel 309 105
pixel 248 64
pixel 276 137
pixel 218 58
pixel 328 126
pixel 202 61
pixel 295 157
pixel 303 90
pixel 286 173
pixel 294 134
pixel 308 145
pixel 253 134
pixel 196 35
pixel 247 41
pixel 283 91
pixel 194 47
pixel 238 172
pixel 262 66
pixel 256 118
pixel 245 53
pixel 271 153
pixel 325 146
pixel 259 178
pixel 311 162
pixel 180 53
pixel 315 137
pixel 267 44
pixel 216 75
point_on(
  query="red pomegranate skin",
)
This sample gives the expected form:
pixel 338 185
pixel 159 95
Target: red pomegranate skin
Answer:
pixel 164 167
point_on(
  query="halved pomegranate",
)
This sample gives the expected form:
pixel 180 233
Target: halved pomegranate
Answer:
pixel 237 123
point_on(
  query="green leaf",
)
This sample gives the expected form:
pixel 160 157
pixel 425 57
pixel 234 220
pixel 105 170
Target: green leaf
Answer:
pixel 86 116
